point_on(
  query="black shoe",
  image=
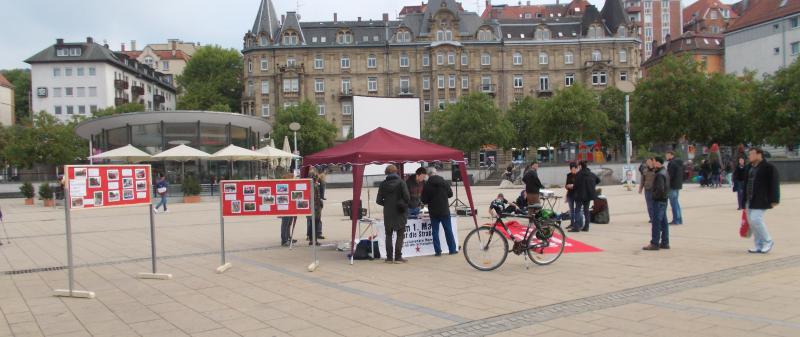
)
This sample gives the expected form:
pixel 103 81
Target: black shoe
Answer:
pixel 309 243
pixel 400 260
pixel 664 246
pixel 437 254
pixel 453 253
pixel 321 237
pixel 389 261
pixel 585 229
pixel 651 247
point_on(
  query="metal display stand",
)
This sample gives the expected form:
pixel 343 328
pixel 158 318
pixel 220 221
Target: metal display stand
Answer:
pixel 154 275
pixel 223 265
pixel 70 292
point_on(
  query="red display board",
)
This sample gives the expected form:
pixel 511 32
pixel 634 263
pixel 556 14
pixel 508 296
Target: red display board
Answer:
pixel 98 186
pixel 266 197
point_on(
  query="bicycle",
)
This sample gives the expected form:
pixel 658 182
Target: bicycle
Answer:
pixel 543 241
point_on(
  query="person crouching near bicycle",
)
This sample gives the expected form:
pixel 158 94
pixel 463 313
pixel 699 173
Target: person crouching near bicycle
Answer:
pixel 435 194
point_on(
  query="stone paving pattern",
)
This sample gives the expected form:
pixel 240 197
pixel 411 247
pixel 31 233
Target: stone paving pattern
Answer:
pixel 706 285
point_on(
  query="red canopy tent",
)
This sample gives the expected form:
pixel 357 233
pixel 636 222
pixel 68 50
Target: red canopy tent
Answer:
pixel 381 146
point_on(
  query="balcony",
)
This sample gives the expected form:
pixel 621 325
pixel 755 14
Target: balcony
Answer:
pixel 294 67
pixel 122 100
pixel 405 92
pixel 137 90
pixel 544 93
pixel 487 89
pixel 158 99
pixel 592 63
pixel 291 93
pixel 121 84
pixel 519 91
pixel 346 93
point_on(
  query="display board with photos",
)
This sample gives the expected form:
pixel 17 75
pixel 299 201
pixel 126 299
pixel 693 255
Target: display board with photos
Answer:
pixel 98 186
pixel 287 197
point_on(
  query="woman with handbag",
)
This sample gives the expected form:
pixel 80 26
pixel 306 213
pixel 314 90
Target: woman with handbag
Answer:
pixel 393 195
pixel 161 189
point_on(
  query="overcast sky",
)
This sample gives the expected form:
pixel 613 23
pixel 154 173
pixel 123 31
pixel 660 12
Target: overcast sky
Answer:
pixel 28 26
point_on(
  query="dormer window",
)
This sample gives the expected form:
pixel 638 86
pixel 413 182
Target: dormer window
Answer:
pixel 444 35
pixel 148 61
pixel 263 41
pixel 403 36
pixel 595 32
pixel 290 38
pixel 543 34
pixel 485 35
pixel 74 52
pixel 344 37
pixel 596 55
pixel 621 31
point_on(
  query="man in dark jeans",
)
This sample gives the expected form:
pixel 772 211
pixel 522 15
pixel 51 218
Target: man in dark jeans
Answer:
pixel 659 229
pixel 570 186
pixel 394 197
pixel 286 228
pixel 675 173
pixel 436 194
pixel 532 183
pixel 415 184
pixel 585 191
pixel 762 191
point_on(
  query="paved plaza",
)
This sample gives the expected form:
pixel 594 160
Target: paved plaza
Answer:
pixel 706 285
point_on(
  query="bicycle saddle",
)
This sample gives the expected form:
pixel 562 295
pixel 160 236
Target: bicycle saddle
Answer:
pixel 535 207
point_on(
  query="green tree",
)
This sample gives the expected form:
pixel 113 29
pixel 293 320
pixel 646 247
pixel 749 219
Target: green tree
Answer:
pixel 21 79
pixel 211 77
pixel 573 114
pixel 779 106
pixel 316 133
pixel 220 107
pixel 470 123
pixel 522 117
pixel 730 108
pixel 120 109
pixel 612 103
pixel 47 141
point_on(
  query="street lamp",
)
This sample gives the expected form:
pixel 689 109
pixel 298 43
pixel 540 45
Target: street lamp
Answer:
pixel 294 127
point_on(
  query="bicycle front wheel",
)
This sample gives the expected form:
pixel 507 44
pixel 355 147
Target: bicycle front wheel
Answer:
pixel 546 244
pixel 485 248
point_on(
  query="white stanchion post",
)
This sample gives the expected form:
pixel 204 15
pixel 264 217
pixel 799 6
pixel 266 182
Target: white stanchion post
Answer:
pixel 224 266
pixel 71 292
pixel 154 275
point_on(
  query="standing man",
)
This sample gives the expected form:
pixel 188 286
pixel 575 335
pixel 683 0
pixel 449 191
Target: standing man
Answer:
pixel 161 188
pixel 532 183
pixel 415 184
pixel 660 229
pixel 286 228
pixel 394 197
pixel 648 176
pixel 570 186
pixel 739 179
pixel 317 211
pixel 675 173
pixel 762 192
pixel 436 194
pixel 585 191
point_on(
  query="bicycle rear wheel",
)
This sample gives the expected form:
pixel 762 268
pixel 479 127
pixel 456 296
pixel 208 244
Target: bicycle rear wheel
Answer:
pixel 485 248
pixel 546 244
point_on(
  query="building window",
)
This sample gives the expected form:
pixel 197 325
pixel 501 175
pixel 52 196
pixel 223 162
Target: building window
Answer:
pixel 68 92
pixel 440 81
pixel 62 52
pixel 264 110
pixel 264 87
pixel 623 76
pixel 79 71
pixel 623 56
pixel 776 50
pixel 439 58
pixel 372 62
pixel 451 82
pixel 795 48
pixel 347 108
pixel 70 110
pixel 321 109
pixel 404 60
pixel 596 55
pixel 67 71
pixel 291 85
pixel 81 109
pixel 426 83
pixel 319 85
pixel 93 109
pixel 74 52
pixel 569 79
pixel 347 88
pixel 405 85
pixel 56 92
pixel 517 59
pixel 568 58
pixel 543 34
pixel 599 78
pixel 543 58
pixel 486 83
pixel 464 82
pixel 403 36
pixel 57 110
pixel 92 91
pixel 426 60
pixel 92 71
pixel 486 59
pixel 795 22
pixel 595 32
pixel 264 64
pixel 714 29
pixel 714 15
pixel 426 106
pixel 164 65
pixel 484 35
pixel 345 62
pixel 451 58
pixel 464 59
pixel 290 62
pixel 544 83
pixel 518 83
pixel 262 41
pixel 249 88
pixel 372 84
pixel 81 92
pixel 290 38
pixel 249 66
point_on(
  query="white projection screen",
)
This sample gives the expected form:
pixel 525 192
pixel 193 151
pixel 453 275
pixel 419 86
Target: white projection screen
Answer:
pixel 401 115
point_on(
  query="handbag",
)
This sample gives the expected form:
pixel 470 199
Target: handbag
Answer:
pixel 744 229
pixel 161 190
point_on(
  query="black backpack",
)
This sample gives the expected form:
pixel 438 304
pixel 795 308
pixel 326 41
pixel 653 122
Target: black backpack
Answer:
pixel 367 250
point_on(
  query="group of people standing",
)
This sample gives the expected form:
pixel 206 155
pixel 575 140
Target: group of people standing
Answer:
pixel 581 188
pixel 402 200
pixel 662 182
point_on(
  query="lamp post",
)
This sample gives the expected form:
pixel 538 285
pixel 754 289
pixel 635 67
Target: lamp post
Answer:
pixel 294 127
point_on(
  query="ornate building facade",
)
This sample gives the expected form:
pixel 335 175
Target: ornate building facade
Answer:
pixel 436 54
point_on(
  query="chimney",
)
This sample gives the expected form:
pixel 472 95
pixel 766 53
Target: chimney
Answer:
pixel 283 19
pixel 122 47
pixel 359 19
pixel 174 44
pixel 59 42
pixel 385 17
pixel 89 40
pixel 335 17
pixel 529 3
pixel 133 45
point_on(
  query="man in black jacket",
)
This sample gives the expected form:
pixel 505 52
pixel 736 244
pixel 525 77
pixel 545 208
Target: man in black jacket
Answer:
pixel 675 173
pixel 394 197
pixel 585 191
pixel 415 184
pixel 762 191
pixel 660 193
pixel 435 194
pixel 532 183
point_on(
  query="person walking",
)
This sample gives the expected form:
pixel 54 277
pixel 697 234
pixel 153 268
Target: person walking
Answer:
pixel 739 179
pixel 394 197
pixel 532 183
pixel 648 176
pixel 585 191
pixel 570 199
pixel 659 231
pixel 675 174
pixel 415 184
pixel 162 186
pixel 762 192
pixel 436 194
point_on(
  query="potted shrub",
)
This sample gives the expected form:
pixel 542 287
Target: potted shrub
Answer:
pixel 191 190
pixel 46 193
pixel 27 192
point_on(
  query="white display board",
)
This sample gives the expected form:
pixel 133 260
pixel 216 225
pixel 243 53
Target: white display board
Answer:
pixel 419 237
pixel 401 115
